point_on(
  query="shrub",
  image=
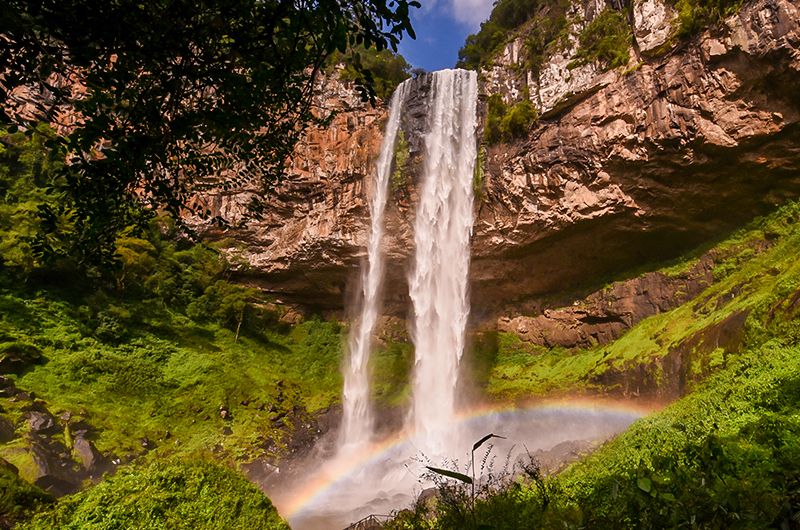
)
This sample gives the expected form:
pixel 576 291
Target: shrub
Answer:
pixel 694 15
pixel 606 40
pixel 177 495
pixel 387 69
pixel 504 122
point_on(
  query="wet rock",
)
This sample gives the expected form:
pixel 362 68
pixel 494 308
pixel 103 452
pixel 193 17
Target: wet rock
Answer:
pixel 225 413
pixel 258 471
pixel 93 461
pixel 7 388
pixel 53 471
pixel 147 444
pixel 558 456
pixel 42 422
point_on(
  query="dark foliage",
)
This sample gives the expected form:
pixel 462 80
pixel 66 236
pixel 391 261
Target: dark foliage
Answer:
pixel 167 98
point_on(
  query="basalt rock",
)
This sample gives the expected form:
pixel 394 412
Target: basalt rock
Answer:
pixel 660 159
pixel 606 314
pixel 624 167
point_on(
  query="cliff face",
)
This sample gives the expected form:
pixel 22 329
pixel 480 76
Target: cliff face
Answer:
pixel 635 167
pixel 624 167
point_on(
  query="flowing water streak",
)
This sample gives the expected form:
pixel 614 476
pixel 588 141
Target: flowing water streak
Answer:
pixel 357 415
pixel 442 229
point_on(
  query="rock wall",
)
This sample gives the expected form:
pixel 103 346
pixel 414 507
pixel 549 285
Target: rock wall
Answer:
pixel 625 167
pixel 660 159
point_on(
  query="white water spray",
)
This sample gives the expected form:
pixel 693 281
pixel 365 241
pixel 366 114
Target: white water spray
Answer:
pixel 357 420
pixel 363 478
pixel 442 229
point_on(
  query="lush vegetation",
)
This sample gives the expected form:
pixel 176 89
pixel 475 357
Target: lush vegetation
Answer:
pixel 548 23
pixel 400 176
pixel 520 370
pixel 606 40
pixel 384 69
pixel 508 122
pixel 160 356
pixel 727 456
pixel 175 495
pixel 695 15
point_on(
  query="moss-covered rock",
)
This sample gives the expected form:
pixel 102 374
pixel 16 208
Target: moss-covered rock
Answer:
pixel 17 497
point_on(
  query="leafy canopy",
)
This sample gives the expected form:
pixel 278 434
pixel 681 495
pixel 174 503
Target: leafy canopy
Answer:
pixel 160 100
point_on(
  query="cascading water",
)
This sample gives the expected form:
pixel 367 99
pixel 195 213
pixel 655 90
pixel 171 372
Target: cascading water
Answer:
pixel 357 421
pixel 363 478
pixel 442 229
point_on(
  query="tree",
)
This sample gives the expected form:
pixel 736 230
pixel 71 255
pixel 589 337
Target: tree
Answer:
pixel 166 98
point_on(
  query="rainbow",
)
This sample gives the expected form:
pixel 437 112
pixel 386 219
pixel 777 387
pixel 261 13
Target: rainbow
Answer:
pixel 328 475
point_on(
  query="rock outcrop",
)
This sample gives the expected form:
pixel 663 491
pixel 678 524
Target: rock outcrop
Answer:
pixel 658 160
pixel 605 315
pixel 624 167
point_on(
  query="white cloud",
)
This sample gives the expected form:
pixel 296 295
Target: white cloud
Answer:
pixel 471 12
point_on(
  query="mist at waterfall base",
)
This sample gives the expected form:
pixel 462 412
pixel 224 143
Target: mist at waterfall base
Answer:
pixel 330 492
pixel 332 488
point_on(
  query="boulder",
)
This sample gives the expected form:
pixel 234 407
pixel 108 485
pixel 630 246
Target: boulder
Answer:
pixel 42 422
pixel 93 461
pixel 7 431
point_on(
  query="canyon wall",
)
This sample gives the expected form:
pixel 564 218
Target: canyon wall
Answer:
pixel 624 167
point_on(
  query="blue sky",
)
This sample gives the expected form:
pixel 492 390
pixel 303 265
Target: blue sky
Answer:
pixel 441 27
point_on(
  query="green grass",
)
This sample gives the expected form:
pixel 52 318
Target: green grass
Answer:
pixel 167 495
pixel 725 457
pixel 169 374
pixel 745 281
pixel 392 364
pixel 606 40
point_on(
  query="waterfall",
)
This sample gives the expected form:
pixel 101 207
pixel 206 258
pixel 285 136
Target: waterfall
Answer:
pixel 442 229
pixel 357 415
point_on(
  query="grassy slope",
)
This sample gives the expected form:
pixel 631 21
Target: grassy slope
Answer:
pixel 198 496
pixel 725 456
pixel 169 374
pixel 746 281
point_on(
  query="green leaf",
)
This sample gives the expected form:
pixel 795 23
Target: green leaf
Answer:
pixel 452 474
pixel 484 439
pixel 645 484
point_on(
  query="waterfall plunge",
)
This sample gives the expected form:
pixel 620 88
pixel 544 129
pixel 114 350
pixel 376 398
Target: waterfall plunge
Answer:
pixel 357 421
pixel 442 228
pixel 365 478
pixel 438 281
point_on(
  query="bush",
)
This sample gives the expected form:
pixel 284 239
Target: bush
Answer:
pixel 177 495
pixel 606 40
pixel 548 22
pixel 504 123
pixel 387 69
pixel 695 15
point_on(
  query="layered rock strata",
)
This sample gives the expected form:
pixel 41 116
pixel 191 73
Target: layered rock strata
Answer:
pixel 627 167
